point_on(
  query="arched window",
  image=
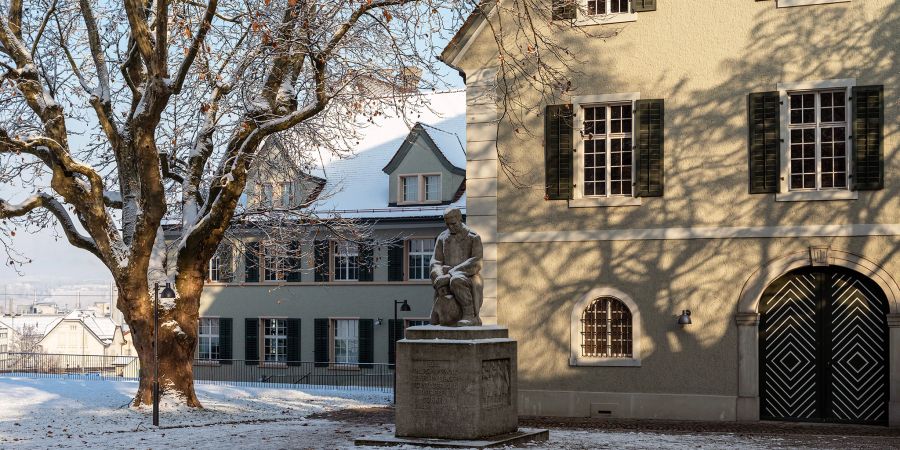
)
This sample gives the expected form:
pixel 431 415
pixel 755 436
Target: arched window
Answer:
pixel 605 330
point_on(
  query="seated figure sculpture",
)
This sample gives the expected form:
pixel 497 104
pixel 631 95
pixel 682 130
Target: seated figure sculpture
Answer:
pixel 456 274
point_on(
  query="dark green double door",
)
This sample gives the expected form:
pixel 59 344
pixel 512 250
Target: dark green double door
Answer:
pixel 823 346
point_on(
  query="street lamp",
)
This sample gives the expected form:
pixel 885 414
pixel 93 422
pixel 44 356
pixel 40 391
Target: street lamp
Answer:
pixel 167 292
pixel 405 308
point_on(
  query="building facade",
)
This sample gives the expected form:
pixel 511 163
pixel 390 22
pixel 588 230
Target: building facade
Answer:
pixel 737 160
pixel 330 298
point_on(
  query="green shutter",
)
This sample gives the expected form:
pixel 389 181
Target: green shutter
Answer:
pixel 251 342
pixel 558 152
pixel 293 262
pixel 366 343
pixel 251 262
pixel 366 261
pixel 563 9
pixel 226 352
pixel 649 147
pixel 643 5
pixel 293 342
pixel 320 256
pixel 867 154
pixel 320 348
pixel 395 261
pixel 395 333
pixel 764 124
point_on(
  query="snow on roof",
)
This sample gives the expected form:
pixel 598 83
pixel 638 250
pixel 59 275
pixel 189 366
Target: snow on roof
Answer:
pixel 103 327
pixel 356 187
pixel 41 323
pixel 449 144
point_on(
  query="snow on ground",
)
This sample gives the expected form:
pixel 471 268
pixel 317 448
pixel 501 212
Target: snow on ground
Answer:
pixel 73 413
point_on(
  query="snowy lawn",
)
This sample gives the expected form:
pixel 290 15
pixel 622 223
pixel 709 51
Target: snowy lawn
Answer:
pixel 71 413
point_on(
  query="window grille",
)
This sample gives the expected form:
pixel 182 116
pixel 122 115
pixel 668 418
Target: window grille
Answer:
pixel 606 329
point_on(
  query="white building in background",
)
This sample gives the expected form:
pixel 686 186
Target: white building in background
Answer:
pixel 80 332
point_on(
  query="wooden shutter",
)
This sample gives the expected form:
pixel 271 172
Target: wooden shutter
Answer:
pixel 320 256
pixel 366 343
pixel 251 262
pixel 395 333
pixel 649 145
pixel 251 342
pixel 643 5
pixel 293 262
pixel 558 152
pixel 320 349
pixel 226 352
pixel 293 342
pixel 395 261
pixel 764 124
pixel 366 261
pixel 867 154
pixel 563 9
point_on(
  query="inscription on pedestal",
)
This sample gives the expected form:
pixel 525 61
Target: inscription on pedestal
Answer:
pixel 495 383
pixel 435 384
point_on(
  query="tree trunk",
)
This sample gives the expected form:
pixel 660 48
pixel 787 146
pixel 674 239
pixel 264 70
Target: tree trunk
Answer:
pixel 178 329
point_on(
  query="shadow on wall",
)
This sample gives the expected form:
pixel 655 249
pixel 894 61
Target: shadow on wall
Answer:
pixel 706 185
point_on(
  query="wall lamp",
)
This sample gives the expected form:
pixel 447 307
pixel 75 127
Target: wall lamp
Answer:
pixel 685 317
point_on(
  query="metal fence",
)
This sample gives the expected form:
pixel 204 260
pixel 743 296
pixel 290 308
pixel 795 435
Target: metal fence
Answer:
pixel 297 375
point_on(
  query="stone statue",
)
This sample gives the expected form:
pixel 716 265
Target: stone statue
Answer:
pixel 456 274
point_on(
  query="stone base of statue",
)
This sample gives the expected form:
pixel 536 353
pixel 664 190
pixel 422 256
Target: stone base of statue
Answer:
pixel 456 383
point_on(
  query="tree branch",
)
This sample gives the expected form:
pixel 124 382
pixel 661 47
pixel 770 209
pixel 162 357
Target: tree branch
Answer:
pixel 46 201
pixel 199 38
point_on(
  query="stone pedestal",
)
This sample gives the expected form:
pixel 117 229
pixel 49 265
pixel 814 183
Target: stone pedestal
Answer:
pixel 456 383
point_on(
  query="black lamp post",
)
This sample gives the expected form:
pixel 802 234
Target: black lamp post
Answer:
pixel 166 293
pixel 405 308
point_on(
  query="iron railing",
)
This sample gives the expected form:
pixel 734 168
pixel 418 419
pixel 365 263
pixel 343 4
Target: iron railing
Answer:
pixel 298 375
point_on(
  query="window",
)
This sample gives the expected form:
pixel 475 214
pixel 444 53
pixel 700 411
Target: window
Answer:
pixel 266 195
pixel 275 340
pixel 273 263
pixel 287 194
pixel 818 140
pixel 3 348
pixel 346 341
pixel 346 261
pixel 420 188
pixel 607 7
pixel 416 322
pixel 214 267
pixel 432 188
pixel 598 12
pixel 208 339
pixel 607 162
pixel 4 334
pixel 605 330
pixel 420 252
pixel 792 3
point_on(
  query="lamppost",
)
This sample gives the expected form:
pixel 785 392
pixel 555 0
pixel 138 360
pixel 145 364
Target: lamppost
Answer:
pixel 166 293
pixel 405 308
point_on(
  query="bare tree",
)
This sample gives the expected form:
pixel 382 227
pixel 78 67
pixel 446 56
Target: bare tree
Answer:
pixel 135 122
pixel 27 340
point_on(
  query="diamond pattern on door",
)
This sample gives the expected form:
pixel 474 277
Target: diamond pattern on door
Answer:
pixel 791 384
pixel 823 348
pixel 858 351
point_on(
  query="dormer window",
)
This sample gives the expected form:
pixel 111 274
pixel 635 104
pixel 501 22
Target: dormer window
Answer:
pixel 419 188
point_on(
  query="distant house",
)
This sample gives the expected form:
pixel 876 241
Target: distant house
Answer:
pixel 80 332
pixel 331 299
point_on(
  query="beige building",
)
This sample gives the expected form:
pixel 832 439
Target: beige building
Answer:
pixel 734 159
pixel 80 332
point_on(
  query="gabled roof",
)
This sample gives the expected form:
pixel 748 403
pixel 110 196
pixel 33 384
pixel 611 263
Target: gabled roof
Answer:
pixel 41 323
pixel 103 328
pixel 445 145
pixel 469 30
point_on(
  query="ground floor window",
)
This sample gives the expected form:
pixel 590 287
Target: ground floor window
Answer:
pixel 346 341
pixel 275 340
pixel 606 329
pixel 208 339
pixel 420 252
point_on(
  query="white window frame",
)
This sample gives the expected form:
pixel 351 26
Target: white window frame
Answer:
pixel 425 188
pixel 4 348
pixel 344 265
pixel 201 336
pixel 579 200
pixel 352 340
pixel 213 275
pixel 583 19
pixel 793 3
pixel 575 356
pixel 426 272
pixel 277 340
pixel 785 194
pixel 278 268
pixel 420 179
pixel 287 195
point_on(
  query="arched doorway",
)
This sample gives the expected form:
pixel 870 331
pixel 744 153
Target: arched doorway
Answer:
pixel 823 348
